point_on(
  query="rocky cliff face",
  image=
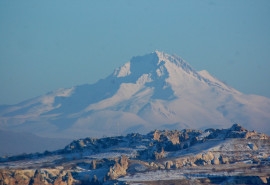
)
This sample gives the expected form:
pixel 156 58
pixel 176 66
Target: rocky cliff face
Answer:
pixel 212 155
pixel 118 169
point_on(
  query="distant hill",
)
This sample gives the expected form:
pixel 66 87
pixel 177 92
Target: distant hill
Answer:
pixel 14 143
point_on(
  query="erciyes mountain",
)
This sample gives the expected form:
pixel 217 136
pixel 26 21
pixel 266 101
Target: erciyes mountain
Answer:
pixel 154 91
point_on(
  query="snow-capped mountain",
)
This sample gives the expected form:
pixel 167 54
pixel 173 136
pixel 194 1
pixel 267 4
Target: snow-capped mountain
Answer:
pixel 155 91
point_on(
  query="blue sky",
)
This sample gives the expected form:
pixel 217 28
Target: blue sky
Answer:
pixel 46 45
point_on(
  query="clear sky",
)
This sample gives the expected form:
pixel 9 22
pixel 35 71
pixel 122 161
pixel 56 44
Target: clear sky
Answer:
pixel 46 45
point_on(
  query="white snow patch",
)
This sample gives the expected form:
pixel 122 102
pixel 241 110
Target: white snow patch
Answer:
pixel 214 81
pixel 203 135
pixel 64 92
pixel 173 175
pixel 109 155
pixel 123 71
pixel 154 176
pixel 49 99
pixel 144 79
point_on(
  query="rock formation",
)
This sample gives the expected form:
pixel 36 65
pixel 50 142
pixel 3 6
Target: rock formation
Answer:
pixel 119 168
pixel 110 160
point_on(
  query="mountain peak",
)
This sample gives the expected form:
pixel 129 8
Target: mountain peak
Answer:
pixel 153 91
pixel 154 63
pixel 161 56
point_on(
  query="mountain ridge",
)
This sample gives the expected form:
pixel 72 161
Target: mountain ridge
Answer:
pixel 188 156
pixel 156 90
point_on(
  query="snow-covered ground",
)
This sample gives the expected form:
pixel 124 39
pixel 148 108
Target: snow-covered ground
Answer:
pixel 175 175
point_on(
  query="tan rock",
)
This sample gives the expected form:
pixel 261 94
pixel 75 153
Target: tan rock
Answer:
pixel 168 165
pixel 59 181
pixel 156 135
pixel 208 156
pixel 252 146
pixel 159 155
pixel 224 160
pixel 119 168
pixel 173 137
pixel 265 179
pixel 215 161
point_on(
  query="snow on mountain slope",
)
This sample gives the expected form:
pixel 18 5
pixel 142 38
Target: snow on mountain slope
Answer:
pixel 154 91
